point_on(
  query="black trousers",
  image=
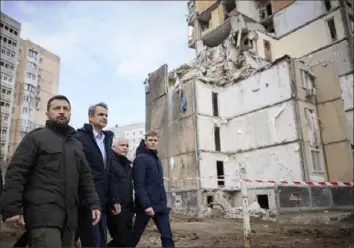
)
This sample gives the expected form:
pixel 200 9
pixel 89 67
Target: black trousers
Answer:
pixel 162 222
pixel 22 241
pixel 120 228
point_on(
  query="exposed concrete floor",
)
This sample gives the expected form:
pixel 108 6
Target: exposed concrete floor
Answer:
pixel 317 229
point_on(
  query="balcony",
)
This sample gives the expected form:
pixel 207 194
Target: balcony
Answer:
pixel 7 71
pixel 4 124
pixel 5 110
pixel 215 37
pixel 32 70
pixel 11 35
pixel 24 129
pixel 6 84
pixel 32 82
pixel 205 16
pixel 33 59
pixel 8 57
pixel 6 97
pixel 3 137
pixel 10 47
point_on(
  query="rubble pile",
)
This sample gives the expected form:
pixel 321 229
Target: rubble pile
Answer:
pixel 254 210
pixel 219 66
pixel 207 213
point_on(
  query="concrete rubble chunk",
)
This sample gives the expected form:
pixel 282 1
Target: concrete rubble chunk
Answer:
pixel 220 66
pixel 254 211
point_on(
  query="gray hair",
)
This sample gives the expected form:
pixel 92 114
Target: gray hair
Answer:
pixel 92 108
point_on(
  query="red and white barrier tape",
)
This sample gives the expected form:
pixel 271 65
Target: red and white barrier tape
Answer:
pixel 309 183
pixel 346 184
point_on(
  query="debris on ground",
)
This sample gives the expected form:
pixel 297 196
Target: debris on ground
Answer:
pixel 223 232
pixel 254 210
pixel 208 212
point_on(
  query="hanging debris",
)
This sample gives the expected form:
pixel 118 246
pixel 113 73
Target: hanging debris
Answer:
pixel 225 64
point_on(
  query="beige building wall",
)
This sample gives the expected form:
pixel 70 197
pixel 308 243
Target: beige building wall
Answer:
pixel 335 134
pixel 38 79
pixel 313 154
pixel 326 146
pixel 49 71
pixel 201 6
pixel 309 38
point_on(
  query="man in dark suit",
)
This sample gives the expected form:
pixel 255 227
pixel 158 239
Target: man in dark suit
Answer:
pixel 150 194
pixel 97 148
pixel 121 226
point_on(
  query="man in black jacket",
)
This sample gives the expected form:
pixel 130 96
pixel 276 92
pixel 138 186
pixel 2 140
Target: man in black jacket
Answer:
pixel 97 146
pixel 150 194
pixel 121 226
pixel 46 171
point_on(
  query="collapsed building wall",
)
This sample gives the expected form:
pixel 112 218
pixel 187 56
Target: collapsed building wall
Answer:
pixel 245 110
pixel 339 55
pixel 261 121
pixel 169 111
pixel 255 118
pixel 300 13
pixel 334 132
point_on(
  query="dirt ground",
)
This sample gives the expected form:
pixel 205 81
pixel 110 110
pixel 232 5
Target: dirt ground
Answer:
pixel 317 229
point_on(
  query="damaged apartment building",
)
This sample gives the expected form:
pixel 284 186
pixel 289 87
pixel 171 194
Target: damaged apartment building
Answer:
pixel 270 91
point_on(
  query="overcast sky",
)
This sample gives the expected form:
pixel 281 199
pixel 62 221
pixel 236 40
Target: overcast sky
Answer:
pixel 106 49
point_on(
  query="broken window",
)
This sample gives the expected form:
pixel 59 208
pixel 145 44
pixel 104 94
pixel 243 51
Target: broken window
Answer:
pixel 220 173
pixel 327 4
pixel 210 200
pixel 267 50
pixel 265 9
pixel 269 27
pixel 311 122
pixel 217 138
pixel 229 5
pixel 214 97
pixel 263 201
pixel 307 80
pixel 332 29
pixel 204 25
pixel 316 160
pixel 247 43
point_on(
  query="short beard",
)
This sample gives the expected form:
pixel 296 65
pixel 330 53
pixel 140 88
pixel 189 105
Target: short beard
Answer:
pixel 57 123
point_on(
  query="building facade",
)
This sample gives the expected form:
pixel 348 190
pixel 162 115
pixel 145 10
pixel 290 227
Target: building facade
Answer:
pixel 134 133
pixel 10 43
pixel 37 82
pixel 266 28
pixel 260 96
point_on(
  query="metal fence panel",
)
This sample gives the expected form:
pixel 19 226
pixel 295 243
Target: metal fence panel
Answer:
pixel 293 197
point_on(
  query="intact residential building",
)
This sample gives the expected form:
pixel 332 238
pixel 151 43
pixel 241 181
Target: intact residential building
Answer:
pixel 37 82
pixel 134 133
pixel 10 42
pixel 254 100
